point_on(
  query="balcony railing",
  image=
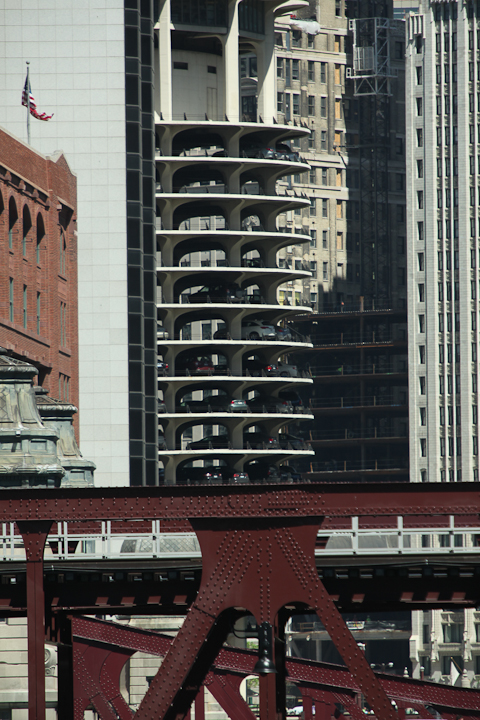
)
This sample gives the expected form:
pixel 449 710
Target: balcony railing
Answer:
pixel 358 465
pixel 355 338
pixel 349 402
pixel 366 369
pixel 352 434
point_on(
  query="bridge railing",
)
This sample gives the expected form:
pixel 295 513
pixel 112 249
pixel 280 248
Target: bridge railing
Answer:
pixel 67 542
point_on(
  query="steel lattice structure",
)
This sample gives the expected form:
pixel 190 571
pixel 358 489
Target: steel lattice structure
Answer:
pixel 258 557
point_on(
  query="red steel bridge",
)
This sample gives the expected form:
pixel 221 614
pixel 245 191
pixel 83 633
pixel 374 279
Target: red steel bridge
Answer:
pixel 265 551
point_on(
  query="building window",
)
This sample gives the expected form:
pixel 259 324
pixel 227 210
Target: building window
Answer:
pixel 38 312
pixel 421 380
pixel 420 168
pixel 313 238
pixel 311 104
pixel 296 38
pixel 324 176
pixel 296 104
pixel 312 176
pixel 323 72
pixel 313 207
pixel 10 300
pixel 25 306
pixel 419 106
pixel 63 253
pixel 325 271
pixel 280 105
pixel 420 199
pixel 295 70
pixel 421 262
pixel 311 70
pixel 325 238
pixel 423 416
pixel 423 447
pixel 63 324
pixel 323 106
pixel 421 354
pixel 323 140
pixel 27 224
pixel 279 67
pixel 311 140
pixel 324 208
pixel 420 230
pixel 339 241
pixel 421 292
pixel 419 137
pixel 419 73
pixel 452 632
pixel 12 219
pixel 338 8
pixel 40 235
pixel 338 76
pixel 339 209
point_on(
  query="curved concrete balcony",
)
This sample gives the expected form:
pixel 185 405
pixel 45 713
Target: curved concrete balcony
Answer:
pixel 177 136
pixel 176 244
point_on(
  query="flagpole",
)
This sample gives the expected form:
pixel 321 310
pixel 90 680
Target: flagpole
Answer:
pixel 28 102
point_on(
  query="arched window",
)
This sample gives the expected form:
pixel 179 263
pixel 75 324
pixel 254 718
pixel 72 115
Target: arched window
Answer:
pixel 12 219
pixel 27 226
pixel 40 236
pixel 63 253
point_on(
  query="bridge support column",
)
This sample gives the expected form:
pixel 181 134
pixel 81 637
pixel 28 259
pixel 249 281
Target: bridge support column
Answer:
pixel 34 533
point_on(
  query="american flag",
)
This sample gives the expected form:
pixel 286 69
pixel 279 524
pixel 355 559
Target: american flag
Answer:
pixel 27 90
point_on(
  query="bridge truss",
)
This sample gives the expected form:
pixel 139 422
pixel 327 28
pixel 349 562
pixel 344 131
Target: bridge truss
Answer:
pixel 261 554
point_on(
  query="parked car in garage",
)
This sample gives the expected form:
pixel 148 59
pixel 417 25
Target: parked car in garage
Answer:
pixel 257 330
pixel 210 441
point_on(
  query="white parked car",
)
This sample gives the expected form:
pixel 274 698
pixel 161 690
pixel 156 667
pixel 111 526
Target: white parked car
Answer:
pixel 287 370
pixel 257 330
pixel 162 334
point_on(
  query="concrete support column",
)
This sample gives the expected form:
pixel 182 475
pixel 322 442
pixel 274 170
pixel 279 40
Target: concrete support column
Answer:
pixel 232 75
pixel 266 71
pixel 165 61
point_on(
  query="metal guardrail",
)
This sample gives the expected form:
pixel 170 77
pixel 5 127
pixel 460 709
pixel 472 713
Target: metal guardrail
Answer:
pixel 352 402
pixel 357 465
pixel 65 544
pixel 370 369
pixel 350 434
pixel 399 540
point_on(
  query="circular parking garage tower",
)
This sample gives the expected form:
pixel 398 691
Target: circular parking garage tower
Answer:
pixel 223 338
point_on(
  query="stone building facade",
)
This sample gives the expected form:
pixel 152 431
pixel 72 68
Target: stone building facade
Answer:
pixel 38 265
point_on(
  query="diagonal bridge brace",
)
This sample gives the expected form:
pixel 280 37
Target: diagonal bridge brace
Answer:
pixel 255 566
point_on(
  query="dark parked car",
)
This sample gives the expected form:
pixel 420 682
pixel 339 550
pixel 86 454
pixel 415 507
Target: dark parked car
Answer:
pixel 259 368
pixel 284 152
pixel 220 292
pixel 257 150
pixel 210 441
pixel 288 441
pixel 200 365
pixel 221 334
pixel 259 441
pixel 267 403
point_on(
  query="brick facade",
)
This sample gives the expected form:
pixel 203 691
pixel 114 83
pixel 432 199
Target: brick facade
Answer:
pixel 38 264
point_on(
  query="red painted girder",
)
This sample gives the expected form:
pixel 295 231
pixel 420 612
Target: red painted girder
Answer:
pixel 267 501
pixel 308 675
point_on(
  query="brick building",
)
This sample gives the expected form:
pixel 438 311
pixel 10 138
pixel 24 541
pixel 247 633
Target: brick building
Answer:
pixel 38 264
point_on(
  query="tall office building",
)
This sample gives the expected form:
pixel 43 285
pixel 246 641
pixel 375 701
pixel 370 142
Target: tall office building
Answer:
pixel 442 132
pixel 91 64
pixel 442 201
pixel 340 71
